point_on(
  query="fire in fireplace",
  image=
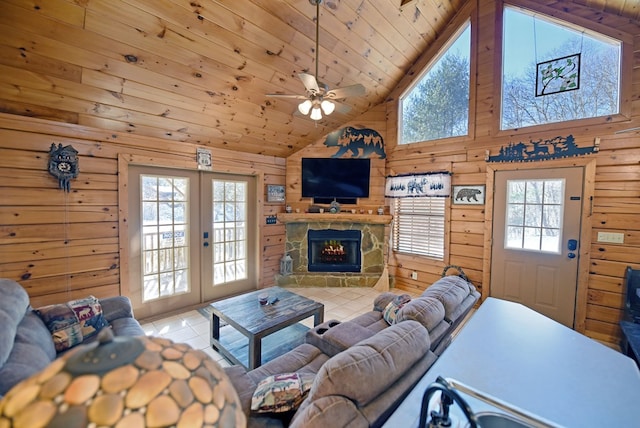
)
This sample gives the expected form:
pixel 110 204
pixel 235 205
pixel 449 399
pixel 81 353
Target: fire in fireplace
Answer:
pixel 333 250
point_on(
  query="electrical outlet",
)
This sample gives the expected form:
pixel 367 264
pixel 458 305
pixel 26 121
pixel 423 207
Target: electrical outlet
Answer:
pixel 614 238
pixel 414 275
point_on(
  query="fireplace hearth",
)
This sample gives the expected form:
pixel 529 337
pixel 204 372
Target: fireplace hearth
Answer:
pixel 333 250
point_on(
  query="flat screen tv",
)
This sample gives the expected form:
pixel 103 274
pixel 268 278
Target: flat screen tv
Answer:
pixel 344 180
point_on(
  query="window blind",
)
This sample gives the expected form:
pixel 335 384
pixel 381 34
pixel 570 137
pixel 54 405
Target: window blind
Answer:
pixel 419 226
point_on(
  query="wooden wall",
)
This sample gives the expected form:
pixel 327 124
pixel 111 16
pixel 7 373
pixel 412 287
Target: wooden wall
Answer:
pixel 66 245
pixel 616 203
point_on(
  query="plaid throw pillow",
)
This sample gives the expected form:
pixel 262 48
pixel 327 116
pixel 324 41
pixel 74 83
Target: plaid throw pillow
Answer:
pixel 390 311
pixel 281 392
pixel 73 322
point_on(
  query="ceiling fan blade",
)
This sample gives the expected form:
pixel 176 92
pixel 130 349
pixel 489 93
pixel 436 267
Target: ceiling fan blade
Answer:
pixel 296 97
pixel 348 91
pixel 309 82
pixel 342 108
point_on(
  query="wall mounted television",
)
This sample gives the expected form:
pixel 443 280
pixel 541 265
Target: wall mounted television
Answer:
pixel 340 179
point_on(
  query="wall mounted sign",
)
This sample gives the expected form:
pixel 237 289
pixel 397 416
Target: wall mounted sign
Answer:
pixel 555 148
pixel 204 158
pixel 468 195
pixel 558 75
pixel 412 185
pixel 63 164
pixel 361 143
pixel 275 193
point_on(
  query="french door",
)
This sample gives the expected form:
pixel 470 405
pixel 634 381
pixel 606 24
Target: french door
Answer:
pixel 536 232
pixel 192 237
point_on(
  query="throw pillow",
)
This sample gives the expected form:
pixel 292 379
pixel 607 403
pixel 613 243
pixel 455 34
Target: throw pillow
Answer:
pixel 394 306
pixel 281 392
pixel 72 322
pixel 90 317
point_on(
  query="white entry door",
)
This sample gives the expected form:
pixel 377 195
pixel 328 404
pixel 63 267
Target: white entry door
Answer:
pixel 192 238
pixel 536 230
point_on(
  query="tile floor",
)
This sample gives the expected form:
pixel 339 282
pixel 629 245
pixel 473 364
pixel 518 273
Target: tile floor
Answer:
pixel 192 328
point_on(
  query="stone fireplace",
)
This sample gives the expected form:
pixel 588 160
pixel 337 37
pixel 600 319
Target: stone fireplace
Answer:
pixel 353 246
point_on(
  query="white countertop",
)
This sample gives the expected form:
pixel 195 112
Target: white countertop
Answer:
pixel 513 353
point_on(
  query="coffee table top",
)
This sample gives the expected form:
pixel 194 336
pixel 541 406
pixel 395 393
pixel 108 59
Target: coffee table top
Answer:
pixel 245 312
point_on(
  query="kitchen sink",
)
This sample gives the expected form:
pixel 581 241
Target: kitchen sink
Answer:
pixel 499 420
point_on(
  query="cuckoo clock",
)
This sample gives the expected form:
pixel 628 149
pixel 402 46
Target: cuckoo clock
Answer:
pixel 63 164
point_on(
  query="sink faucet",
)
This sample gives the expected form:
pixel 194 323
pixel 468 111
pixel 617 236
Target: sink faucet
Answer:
pixel 448 396
pixel 450 389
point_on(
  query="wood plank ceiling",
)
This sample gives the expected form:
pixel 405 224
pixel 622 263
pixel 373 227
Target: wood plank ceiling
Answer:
pixel 198 70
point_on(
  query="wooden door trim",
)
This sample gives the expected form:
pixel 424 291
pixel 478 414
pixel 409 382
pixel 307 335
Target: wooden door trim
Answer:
pixel 589 167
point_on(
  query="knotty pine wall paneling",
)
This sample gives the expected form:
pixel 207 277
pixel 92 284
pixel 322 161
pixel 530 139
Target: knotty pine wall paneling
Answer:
pixel 61 245
pixel 616 202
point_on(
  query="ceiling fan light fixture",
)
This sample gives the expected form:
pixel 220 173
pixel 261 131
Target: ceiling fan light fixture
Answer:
pixel 316 113
pixel 327 107
pixel 305 106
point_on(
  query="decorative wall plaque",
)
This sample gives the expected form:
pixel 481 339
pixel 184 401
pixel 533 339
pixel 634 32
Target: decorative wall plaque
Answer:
pixel 359 143
pixel 553 148
pixel 275 193
pixel 468 195
pixel 203 156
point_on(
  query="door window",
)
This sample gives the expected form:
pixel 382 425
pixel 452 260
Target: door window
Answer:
pixel 534 215
pixel 165 236
pixel 229 231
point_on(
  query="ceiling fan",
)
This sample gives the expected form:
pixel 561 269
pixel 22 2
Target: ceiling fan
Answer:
pixel 318 98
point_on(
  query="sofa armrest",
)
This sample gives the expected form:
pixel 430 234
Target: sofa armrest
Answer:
pixel 243 384
pixel 116 307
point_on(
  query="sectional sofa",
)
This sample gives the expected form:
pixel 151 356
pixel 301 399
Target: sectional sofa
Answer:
pixel 361 369
pixel 27 342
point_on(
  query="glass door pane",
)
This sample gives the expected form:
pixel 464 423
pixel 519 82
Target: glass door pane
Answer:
pixel 165 236
pixel 534 215
pixel 229 231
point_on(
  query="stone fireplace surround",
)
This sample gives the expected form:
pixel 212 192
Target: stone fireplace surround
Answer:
pixel 372 248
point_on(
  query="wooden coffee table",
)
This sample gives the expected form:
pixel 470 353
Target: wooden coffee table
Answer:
pixel 245 315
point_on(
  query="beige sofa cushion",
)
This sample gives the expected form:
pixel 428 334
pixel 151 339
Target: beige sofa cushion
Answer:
pixel 378 360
